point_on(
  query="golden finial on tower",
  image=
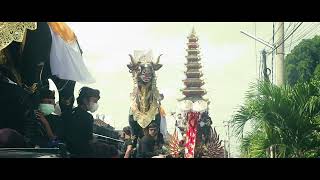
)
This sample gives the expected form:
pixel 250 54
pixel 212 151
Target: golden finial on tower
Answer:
pixel 193 31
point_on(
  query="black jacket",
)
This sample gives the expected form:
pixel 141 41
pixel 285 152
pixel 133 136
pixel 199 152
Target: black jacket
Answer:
pixel 57 125
pixel 17 113
pixel 36 50
pixel 146 147
pixel 79 132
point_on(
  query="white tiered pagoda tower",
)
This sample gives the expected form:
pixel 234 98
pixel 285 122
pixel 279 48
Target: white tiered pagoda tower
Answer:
pixel 193 81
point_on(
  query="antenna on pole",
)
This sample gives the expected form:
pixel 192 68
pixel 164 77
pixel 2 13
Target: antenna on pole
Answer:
pixel 272 46
pixel 264 54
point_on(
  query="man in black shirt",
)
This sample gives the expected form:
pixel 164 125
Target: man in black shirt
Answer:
pixel 127 148
pixel 17 110
pixel 147 145
pixel 103 150
pixel 36 54
pixel 51 123
pixel 79 127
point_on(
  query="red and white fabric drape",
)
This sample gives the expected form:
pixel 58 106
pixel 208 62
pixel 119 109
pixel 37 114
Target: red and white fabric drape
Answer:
pixel 193 118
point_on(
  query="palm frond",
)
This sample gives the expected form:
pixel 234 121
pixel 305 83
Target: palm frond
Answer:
pixel 286 118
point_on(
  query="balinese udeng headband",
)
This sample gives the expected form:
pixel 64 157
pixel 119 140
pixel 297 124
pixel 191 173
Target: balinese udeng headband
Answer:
pixel 153 125
pixel 89 92
pixel 127 130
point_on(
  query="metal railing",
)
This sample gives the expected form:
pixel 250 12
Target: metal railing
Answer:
pixel 61 149
pixel 108 138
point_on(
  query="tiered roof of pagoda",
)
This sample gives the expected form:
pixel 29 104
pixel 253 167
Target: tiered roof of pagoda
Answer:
pixel 193 81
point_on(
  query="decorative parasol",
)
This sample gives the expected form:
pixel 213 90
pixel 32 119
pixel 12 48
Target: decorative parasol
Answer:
pixel 14 31
pixel 185 106
pixel 198 106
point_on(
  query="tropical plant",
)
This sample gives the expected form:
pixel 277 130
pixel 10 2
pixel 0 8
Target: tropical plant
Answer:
pixel 284 118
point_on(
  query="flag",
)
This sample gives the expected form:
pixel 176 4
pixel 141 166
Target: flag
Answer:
pixel 66 60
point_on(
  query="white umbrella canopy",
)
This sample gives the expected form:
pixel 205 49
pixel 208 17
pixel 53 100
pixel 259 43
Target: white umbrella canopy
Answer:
pixel 185 105
pixel 198 106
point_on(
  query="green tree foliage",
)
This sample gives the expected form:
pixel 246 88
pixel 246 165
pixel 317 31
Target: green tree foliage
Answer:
pixel 303 62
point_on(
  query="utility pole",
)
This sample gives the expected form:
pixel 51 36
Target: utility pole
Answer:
pixel 280 54
pixel 225 150
pixel 265 69
pixel 227 142
pixel 264 64
pixel 229 150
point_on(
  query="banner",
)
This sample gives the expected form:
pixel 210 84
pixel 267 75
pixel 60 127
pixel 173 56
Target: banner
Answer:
pixel 193 118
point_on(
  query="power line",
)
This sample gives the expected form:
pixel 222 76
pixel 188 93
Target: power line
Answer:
pixel 292 37
pixel 288 28
pixel 313 32
pixel 306 32
pixel 297 32
pixel 290 43
pixel 302 28
pixel 274 32
pixel 287 36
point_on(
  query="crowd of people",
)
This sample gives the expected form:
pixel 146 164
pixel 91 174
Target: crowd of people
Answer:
pixel 149 146
pixel 24 124
pixel 28 108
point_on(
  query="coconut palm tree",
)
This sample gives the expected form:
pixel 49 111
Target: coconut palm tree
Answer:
pixel 286 119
